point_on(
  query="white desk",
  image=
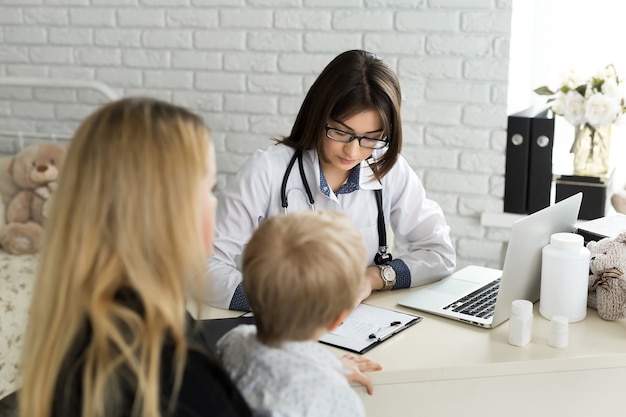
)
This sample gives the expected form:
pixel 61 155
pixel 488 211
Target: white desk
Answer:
pixel 439 367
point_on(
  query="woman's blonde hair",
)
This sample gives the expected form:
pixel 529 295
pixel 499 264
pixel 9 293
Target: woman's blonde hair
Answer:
pixel 300 271
pixel 126 216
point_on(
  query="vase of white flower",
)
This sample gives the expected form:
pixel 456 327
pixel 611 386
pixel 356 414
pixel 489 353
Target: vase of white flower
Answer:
pixel 591 149
pixel 592 107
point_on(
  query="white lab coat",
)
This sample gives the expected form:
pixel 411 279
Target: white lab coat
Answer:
pixel 418 224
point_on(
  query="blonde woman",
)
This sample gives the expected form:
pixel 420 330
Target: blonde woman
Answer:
pixel 128 235
pixel 303 273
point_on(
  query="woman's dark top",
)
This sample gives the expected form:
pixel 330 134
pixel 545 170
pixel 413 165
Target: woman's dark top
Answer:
pixel 206 389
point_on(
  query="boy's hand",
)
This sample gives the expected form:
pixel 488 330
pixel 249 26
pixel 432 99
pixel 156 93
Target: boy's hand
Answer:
pixel 355 366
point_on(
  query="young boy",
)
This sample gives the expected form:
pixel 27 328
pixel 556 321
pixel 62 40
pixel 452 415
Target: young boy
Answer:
pixel 302 274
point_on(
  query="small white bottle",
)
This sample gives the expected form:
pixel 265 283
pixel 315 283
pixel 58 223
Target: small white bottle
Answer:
pixel 559 332
pixel 564 277
pixel 520 322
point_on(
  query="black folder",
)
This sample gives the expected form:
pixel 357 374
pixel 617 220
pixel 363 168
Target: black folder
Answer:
pixel 517 156
pixel 540 161
pixel 212 330
pixel 609 226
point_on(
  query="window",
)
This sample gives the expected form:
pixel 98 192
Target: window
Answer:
pixel 551 37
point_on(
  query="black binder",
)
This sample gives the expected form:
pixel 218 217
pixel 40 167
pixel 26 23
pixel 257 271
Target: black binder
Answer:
pixel 540 161
pixel 517 157
pixel 528 172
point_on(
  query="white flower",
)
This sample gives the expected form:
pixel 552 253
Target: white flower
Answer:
pixel 612 89
pixel 598 101
pixel 574 108
pixel 558 105
pixel 604 73
pixel 601 110
pixel 572 79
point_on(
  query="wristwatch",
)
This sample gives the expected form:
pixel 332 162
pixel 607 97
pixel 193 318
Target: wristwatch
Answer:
pixel 388 275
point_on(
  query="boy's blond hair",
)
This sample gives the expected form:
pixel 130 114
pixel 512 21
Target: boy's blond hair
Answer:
pixel 300 272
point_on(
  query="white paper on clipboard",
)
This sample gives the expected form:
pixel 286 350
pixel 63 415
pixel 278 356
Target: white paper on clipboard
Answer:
pixel 367 326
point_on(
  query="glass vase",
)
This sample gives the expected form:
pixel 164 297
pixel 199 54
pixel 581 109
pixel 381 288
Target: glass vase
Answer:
pixel 591 149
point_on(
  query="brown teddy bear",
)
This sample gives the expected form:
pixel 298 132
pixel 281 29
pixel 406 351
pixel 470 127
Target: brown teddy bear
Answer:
pixel 35 170
pixel 607 286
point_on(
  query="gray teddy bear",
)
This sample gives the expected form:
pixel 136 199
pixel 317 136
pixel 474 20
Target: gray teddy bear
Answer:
pixel 607 286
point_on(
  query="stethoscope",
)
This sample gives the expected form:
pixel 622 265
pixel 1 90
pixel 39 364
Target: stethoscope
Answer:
pixel 382 256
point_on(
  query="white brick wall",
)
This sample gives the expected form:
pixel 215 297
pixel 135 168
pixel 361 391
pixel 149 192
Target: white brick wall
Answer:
pixel 245 65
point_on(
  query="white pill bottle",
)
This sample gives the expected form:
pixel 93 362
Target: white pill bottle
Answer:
pixel 564 277
pixel 521 322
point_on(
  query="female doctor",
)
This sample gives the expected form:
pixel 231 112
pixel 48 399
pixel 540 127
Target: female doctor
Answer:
pixel 341 155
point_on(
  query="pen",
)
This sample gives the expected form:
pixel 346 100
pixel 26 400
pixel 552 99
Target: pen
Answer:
pixel 392 324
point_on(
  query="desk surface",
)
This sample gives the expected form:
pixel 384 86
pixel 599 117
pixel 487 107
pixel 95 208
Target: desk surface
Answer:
pixel 439 348
pixel 441 367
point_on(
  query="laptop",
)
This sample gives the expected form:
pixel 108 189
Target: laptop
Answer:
pixel 457 296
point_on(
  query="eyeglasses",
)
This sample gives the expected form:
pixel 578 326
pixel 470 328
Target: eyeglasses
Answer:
pixel 365 142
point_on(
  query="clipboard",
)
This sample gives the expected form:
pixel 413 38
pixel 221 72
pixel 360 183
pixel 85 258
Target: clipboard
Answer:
pixel 364 328
pixel 368 326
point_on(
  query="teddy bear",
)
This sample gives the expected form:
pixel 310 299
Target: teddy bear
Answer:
pixel 618 200
pixel 8 187
pixel 35 170
pixel 607 284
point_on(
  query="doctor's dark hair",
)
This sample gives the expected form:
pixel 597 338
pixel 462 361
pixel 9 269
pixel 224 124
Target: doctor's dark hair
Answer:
pixel 301 271
pixel 353 82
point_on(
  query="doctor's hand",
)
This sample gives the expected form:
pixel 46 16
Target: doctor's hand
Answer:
pixel 365 292
pixel 373 282
pixel 372 274
pixel 355 366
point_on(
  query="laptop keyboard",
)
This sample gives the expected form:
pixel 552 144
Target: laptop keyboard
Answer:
pixel 479 303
